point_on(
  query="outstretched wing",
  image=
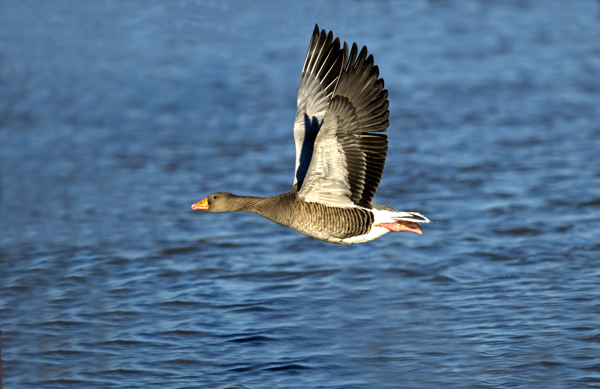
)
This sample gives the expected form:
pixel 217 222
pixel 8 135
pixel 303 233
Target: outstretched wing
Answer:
pixel 350 149
pixel 320 75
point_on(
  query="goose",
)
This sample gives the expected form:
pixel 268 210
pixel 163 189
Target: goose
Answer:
pixel 340 153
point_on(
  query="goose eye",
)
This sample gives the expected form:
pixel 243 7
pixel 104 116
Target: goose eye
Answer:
pixel 214 197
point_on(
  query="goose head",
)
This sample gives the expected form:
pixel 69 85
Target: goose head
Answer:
pixel 219 202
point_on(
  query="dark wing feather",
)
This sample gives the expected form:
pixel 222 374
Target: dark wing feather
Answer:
pixel 350 150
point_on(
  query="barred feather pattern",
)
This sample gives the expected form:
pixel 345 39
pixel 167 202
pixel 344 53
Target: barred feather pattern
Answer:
pixel 360 90
pixel 318 220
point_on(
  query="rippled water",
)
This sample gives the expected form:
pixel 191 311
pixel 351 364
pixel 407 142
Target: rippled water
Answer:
pixel 116 116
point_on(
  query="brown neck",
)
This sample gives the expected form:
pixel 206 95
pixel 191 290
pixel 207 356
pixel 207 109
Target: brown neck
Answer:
pixel 279 209
pixel 246 204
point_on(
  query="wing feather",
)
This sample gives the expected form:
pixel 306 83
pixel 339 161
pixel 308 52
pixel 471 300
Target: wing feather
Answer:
pixel 350 150
pixel 320 75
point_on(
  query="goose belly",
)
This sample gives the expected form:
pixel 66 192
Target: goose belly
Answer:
pixel 376 232
pixel 341 225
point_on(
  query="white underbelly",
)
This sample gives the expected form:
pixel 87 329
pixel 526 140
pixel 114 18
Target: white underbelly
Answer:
pixel 375 233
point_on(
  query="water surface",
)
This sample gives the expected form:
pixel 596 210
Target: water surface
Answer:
pixel 116 116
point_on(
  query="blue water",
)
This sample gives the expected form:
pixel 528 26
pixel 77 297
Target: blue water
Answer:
pixel 116 116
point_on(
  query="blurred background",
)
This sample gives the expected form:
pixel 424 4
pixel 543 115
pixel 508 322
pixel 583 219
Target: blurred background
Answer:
pixel 116 116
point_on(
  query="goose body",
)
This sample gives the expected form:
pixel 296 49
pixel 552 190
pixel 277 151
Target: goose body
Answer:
pixel 340 153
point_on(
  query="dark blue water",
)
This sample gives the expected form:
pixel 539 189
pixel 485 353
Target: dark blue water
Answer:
pixel 116 116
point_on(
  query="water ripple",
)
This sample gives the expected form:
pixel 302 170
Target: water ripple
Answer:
pixel 115 118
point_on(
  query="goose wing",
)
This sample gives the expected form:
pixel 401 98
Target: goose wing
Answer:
pixel 320 75
pixel 350 148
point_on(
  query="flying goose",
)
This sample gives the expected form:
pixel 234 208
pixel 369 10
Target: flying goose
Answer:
pixel 340 153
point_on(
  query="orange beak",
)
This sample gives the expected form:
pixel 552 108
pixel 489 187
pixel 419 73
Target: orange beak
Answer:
pixel 201 205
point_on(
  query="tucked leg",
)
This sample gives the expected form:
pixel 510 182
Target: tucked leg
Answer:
pixel 402 226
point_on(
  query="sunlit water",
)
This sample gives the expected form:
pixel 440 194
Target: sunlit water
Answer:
pixel 116 116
